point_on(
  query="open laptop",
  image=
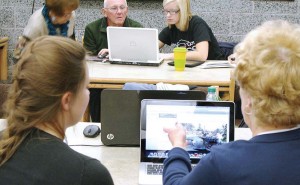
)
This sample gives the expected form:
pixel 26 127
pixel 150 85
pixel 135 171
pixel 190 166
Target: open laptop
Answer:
pixel 120 113
pixel 207 124
pixel 133 46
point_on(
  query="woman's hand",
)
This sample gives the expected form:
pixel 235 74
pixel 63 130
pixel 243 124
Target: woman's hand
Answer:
pixel 177 135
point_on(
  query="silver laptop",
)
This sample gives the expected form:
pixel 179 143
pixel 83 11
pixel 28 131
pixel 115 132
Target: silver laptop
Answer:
pixel 133 46
pixel 207 124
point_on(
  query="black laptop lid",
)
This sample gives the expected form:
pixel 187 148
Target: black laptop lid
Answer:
pixel 120 112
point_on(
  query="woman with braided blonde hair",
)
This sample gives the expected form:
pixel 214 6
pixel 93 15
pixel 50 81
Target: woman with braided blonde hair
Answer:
pixel 49 93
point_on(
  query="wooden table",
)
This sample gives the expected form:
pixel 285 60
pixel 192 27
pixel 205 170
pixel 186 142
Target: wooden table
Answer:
pixel 105 75
pixel 3 58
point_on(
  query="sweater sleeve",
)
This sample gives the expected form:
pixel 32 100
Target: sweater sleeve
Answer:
pixel 177 170
pixel 176 166
pixel 89 41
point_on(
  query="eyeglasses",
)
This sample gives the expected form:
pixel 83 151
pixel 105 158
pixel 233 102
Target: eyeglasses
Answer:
pixel 115 9
pixel 171 12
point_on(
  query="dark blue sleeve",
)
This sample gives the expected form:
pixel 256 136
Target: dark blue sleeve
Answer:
pixel 176 166
pixel 177 170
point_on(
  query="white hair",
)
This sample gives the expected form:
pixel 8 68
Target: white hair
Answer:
pixel 105 4
pixel 106 1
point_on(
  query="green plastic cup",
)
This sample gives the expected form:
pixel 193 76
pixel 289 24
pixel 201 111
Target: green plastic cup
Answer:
pixel 179 58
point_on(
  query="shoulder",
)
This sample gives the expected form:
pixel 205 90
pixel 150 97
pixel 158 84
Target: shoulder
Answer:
pixel 71 26
pixel 88 164
pixel 95 24
pixel 72 18
pixel 37 14
pixel 167 29
pixel 234 149
pixel 95 173
pixel 196 20
pixel 36 19
pixel 46 156
pixel 36 25
pixel 132 23
pixel 230 145
pixel 91 170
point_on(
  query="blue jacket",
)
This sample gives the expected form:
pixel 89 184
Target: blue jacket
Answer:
pixel 269 159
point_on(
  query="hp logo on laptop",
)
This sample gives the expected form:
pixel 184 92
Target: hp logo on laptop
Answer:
pixel 110 136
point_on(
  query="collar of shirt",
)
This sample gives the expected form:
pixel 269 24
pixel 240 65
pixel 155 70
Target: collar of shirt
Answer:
pixel 278 131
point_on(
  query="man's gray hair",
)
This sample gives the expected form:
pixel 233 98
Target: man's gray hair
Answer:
pixel 105 3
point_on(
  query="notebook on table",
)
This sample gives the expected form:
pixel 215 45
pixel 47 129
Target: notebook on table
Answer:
pixel 120 113
pixel 206 123
pixel 133 46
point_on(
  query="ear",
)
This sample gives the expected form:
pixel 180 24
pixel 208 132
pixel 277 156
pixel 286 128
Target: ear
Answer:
pixel 66 101
pixel 248 104
pixel 103 12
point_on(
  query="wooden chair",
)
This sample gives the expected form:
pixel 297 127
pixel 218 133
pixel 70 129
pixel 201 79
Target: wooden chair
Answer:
pixel 3 58
pixel 227 48
pixel 3 96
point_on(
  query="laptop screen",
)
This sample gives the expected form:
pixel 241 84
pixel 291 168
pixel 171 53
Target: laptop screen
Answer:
pixel 207 124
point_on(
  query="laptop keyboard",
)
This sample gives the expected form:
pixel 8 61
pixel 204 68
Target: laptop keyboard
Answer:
pixel 157 169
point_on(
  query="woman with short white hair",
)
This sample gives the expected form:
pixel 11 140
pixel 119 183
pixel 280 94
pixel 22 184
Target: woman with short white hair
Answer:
pixel 268 73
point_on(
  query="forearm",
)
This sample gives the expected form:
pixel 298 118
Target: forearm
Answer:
pixel 191 55
pixel 196 55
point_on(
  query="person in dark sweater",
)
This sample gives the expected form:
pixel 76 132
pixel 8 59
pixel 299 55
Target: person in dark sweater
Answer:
pixel 95 41
pixel 189 31
pixel 268 75
pixel 48 94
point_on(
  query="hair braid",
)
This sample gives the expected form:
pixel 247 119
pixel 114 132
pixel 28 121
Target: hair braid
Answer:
pixel 39 81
